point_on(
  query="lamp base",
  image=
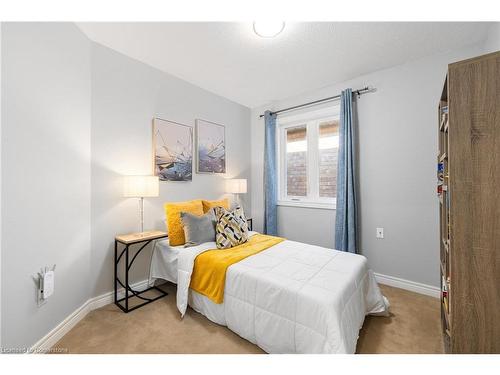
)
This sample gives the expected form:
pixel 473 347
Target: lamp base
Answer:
pixel 141 208
pixel 237 201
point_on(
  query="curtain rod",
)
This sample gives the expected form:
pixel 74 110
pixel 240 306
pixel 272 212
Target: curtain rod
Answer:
pixel 358 92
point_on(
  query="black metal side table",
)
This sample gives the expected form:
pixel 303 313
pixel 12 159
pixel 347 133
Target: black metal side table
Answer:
pixel 131 239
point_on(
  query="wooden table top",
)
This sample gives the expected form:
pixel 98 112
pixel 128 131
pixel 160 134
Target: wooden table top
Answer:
pixel 139 237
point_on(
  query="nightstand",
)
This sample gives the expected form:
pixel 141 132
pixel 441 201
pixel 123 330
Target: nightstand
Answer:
pixel 144 238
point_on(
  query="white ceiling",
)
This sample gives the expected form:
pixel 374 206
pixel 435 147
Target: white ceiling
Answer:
pixel 230 60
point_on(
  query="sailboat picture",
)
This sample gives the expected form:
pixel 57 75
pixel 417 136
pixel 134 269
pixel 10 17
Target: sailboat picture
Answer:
pixel 173 150
pixel 211 147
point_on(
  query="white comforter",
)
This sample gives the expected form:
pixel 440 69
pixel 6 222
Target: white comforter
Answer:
pixel 293 297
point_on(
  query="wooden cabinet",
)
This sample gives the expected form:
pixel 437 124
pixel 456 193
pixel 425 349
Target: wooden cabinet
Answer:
pixel 469 195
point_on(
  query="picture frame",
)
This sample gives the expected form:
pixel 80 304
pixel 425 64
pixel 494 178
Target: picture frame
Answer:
pixel 172 150
pixel 210 147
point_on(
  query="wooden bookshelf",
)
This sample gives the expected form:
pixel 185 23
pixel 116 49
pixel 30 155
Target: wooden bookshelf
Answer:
pixel 442 190
pixel 469 205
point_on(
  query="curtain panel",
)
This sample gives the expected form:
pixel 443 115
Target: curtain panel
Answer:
pixel 346 212
pixel 270 176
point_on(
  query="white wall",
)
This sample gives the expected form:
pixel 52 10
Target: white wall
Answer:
pixel 397 169
pixel 45 174
pixel 492 43
pixel 76 117
pixel 291 225
pixel 126 95
pixel 0 188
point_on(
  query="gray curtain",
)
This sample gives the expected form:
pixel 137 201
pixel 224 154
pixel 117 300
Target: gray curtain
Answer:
pixel 270 181
pixel 346 217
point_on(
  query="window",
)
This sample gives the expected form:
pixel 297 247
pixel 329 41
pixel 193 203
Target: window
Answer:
pixel 307 147
pixel 296 161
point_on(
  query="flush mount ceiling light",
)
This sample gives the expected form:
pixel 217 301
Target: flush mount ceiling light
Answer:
pixel 268 29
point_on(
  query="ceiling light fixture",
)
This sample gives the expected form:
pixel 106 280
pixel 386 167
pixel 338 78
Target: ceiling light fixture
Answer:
pixel 268 29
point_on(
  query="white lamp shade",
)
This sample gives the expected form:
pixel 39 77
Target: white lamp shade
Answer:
pixel 236 186
pixel 141 186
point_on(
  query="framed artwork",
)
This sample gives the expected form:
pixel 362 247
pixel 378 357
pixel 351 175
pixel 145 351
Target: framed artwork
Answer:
pixel 210 147
pixel 173 150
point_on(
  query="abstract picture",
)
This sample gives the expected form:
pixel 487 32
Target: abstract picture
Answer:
pixel 211 147
pixel 173 150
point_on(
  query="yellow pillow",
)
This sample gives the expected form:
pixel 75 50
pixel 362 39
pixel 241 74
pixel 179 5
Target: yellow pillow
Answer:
pixel 207 205
pixel 173 211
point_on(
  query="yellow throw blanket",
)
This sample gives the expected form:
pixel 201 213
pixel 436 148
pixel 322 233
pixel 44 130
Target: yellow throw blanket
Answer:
pixel 209 273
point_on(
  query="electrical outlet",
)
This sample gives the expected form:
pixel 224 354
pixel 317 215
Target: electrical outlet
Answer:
pixel 44 281
pixel 380 232
pixel 48 284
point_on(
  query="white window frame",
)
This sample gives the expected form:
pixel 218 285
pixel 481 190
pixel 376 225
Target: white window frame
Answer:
pixel 311 119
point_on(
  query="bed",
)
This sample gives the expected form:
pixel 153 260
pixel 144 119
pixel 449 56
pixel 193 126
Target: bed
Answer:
pixel 290 298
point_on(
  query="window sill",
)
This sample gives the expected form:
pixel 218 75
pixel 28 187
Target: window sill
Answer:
pixel 322 206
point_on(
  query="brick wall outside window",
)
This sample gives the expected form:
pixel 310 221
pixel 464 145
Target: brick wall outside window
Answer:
pixel 328 172
pixel 296 176
pixel 296 163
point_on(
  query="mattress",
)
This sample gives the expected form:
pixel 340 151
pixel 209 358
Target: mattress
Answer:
pixel 164 267
pixel 164 262
pixel 290 298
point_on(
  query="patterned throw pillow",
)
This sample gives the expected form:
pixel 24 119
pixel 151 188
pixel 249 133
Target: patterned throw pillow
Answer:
pixel 231 228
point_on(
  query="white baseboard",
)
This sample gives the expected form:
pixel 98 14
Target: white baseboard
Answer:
pixel 412 286
pixel 50 339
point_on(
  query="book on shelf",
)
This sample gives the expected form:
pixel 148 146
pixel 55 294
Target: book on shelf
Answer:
pixel 444 121
pixel 445 244
pixel 446 304
pixel 445 286
pixel 445 294
pixel 440 175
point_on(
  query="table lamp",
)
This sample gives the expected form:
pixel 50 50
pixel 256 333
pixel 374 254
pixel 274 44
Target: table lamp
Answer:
pixel 236 186
pixel 141 187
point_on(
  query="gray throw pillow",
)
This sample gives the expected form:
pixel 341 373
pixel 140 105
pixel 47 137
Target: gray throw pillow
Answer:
pixel 198 229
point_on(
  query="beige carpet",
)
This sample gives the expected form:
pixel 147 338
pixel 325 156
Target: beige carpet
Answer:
pixel 413 327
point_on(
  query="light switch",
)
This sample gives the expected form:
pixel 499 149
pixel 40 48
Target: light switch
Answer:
pixel 380 232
